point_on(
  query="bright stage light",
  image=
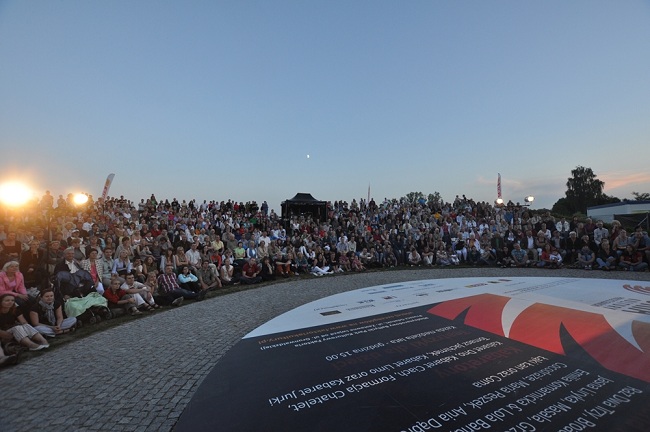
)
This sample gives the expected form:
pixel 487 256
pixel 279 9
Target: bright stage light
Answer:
pixel 80 199
pixel 14 194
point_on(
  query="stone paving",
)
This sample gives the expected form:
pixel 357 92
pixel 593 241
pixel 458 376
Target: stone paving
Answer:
pixel 139 376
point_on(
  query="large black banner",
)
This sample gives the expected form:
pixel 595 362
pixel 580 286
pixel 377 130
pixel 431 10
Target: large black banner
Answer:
pixel 424 368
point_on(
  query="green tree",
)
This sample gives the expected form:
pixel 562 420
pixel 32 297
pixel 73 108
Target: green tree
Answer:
pixel 638 196
pixel 583 190
pixel 413 197
pixel 434 199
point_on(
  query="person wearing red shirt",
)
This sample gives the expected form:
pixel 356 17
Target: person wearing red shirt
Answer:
pixel 250 272
pixel 117 297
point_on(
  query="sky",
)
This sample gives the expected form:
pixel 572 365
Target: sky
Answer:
pixel 260 100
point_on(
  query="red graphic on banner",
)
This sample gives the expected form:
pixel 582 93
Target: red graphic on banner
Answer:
pixel 637 289
pixel 539 326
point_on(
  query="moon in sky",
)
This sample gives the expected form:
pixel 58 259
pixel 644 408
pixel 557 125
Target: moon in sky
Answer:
pixel 307 156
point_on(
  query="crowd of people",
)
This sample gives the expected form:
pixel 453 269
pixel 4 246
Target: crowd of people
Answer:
pixel 139 257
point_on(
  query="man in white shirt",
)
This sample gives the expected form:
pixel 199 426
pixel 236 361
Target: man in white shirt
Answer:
pixel 264 237
pixel 600 232
pixel 140 291
pixel 68 262
pixel 193 256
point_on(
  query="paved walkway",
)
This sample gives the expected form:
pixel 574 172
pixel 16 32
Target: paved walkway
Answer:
pixel 140 376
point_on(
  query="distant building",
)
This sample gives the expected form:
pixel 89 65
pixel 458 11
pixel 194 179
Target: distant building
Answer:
pixel 633 212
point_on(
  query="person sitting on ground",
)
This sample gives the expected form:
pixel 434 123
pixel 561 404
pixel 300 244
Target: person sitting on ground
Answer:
pixel 541 241
pixel 119 298
pixel 290 257
pixel 152 283
pixel 488 257
pixel 414 258
pixel 227 273
pixel 607 258
pixel 519 256
pixel 641 243
pixel 555 258
pixel 573 246
pixel 356 264
pixel 504 258
pixel 331 260
pixel 390 260
pixel 529 244
pixel 632 260
pixel 188 281
pixel 170 292
pixel 13 325
pixel 132 286
pixel 586 257
pixel 442 258
pixel 474 256
pixel 320 267
pixel 461 249
pixel 282 265
pixel 428 257
pixel 207 277
pixel 344 262
pixel 268 270
pixel 46 316
pixel 545 256
pixel 302 265
pixel 251 273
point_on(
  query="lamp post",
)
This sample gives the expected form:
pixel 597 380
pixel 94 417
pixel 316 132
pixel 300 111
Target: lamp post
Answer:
pixel 529 200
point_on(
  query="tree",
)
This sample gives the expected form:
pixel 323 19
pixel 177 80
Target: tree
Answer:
pixel 414 197
pixel 583 190
pixel 434 200
pixel 638 196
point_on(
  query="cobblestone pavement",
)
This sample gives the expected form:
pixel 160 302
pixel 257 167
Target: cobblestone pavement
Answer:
pixel 139 376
